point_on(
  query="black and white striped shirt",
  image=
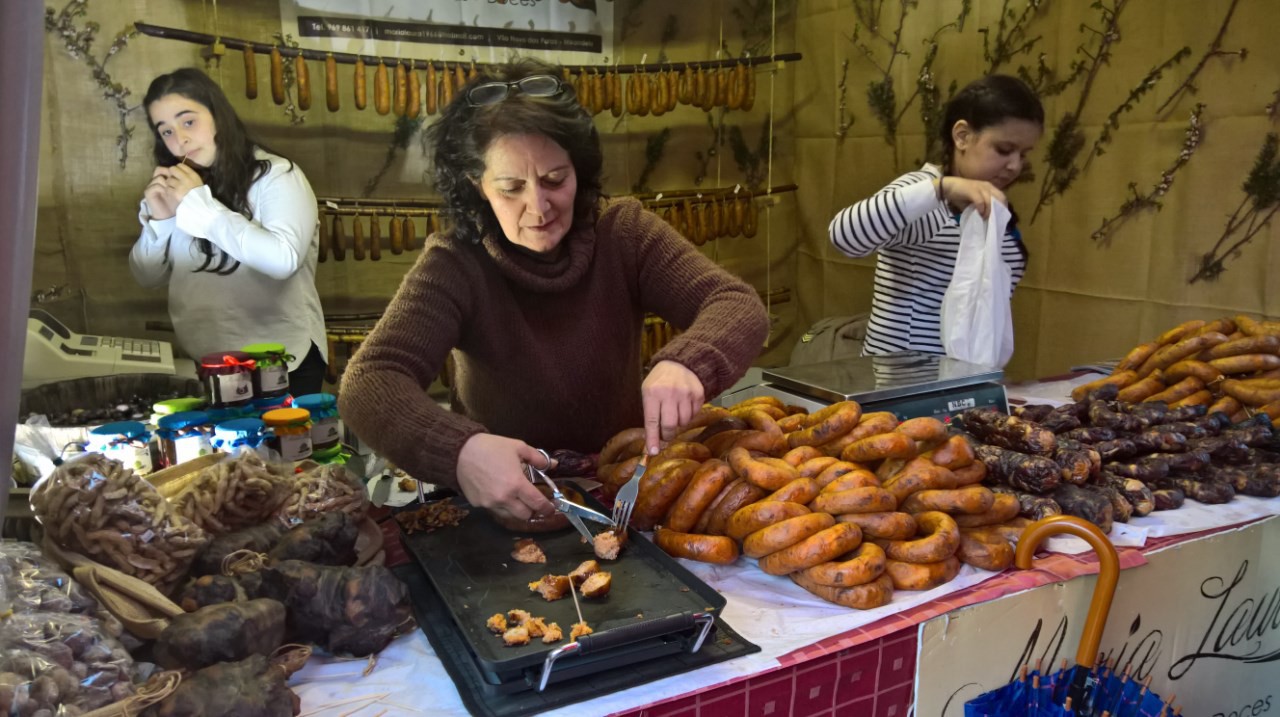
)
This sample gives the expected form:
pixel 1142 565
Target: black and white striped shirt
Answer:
pixel 918 238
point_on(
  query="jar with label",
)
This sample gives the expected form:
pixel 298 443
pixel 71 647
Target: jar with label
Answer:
pixel 271 373
pixel 241 434
pixel 290 437
pixel 184 436
pixel 325 431
pixel 228 378
pixel 160 409
pixel 124 441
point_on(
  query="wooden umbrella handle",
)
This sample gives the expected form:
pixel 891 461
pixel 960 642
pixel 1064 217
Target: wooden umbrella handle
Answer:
pixel 1108 575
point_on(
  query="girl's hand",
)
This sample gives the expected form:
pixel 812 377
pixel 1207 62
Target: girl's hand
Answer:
pixel 491 476
pixel 960 193
pixel 182 179
pixel 156 194
pixel 672 394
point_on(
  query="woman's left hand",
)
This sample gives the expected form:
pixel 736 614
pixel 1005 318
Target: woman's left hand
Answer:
pixel 182 179
pixel 672 394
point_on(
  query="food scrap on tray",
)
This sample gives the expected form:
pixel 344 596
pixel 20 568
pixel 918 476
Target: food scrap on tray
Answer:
pixel 591 581
pixel 608 544
pixel 518 627
pixel 528 551
pixel 431 517
pixel 551 587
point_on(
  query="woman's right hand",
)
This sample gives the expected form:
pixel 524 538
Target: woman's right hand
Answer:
pixel 157 195
pixel 960 193
pixel 491 476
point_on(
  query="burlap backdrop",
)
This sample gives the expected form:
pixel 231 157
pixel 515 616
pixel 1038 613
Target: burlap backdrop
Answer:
pixel 1078 301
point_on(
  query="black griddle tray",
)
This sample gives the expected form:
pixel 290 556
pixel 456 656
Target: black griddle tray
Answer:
pixel 472 573
pixel 483 698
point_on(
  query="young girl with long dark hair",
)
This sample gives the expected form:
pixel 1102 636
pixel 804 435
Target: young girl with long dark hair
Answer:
pixel 988 129
pixel 231 228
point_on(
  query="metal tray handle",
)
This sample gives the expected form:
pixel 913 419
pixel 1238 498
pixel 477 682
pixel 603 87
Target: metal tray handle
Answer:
pixel 628 634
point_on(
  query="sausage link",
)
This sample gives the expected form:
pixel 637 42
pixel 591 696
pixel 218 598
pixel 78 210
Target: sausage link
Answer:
pixel 277 76
pixel 1178 391
pixel 707 482
pixel 381 89
pixel 1181 331
pixel 1119 380
pixel 855 500
pixel 939 536
pixel 739 494
pixel 1146 387
pixel 1004 507
pixel 331 99
pixel 970 500
pixel 375 238
pixel 761 514
pixel 864 564
pixel 1136 357
pixel 889 525
pixel 921 576
pixel 827 424
pixel 358 86
pixel 834 471
pixel 657 496
pixel 957 452
pixel 1246 363
pixel 414 107
pixel 432 89
pixel 877 593
pixel 925 428
pixel 302 77
pixel 800 490
pixel 715 549
pixel 250 73
pixel 814 550
pixel 992 554
pixel 857 478
pixel 875 448
pixel 785 533
pixel 1169 355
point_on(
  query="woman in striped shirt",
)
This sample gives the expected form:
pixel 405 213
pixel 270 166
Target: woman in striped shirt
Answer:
pixel 988 129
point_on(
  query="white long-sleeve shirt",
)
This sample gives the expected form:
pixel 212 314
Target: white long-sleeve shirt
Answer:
pixel 270 297
pixel 918 238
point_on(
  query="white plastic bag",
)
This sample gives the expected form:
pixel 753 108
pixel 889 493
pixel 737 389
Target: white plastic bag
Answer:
pixel 977 322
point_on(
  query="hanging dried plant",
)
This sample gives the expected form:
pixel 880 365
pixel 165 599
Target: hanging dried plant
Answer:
pixel 1135 95
pixel 1010 38
pixel 1215 50
pixel 844 119
pixel 1138 203
pixel 653 151
pixel 290 79
pixel 1262 199
pixel 758 20
pixel 753 164
pixel 1068 138
pixel 78 42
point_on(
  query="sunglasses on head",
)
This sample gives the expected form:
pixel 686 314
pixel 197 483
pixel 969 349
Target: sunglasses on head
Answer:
pixel 489 93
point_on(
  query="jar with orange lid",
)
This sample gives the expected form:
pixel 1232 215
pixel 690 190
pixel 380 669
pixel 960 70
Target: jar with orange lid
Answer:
pixel 290 433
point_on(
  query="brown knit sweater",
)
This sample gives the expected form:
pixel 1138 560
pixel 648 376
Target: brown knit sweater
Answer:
pixel 546 349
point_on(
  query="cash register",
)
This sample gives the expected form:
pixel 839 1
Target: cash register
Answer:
pixel 56 353
pixel 910 384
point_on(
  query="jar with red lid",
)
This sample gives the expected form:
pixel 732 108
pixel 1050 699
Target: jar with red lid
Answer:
pixel 228 378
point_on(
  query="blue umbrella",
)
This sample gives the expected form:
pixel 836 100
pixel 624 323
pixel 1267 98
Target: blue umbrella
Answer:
pixel 1090 688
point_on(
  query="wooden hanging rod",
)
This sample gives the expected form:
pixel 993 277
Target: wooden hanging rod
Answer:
pixel 347 58
pixel 418 207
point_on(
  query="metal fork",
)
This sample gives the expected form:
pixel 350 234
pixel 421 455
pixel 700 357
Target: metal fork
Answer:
pixel 625 501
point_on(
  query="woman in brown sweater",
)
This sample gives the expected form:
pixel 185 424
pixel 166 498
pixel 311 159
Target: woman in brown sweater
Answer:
pixel 539 289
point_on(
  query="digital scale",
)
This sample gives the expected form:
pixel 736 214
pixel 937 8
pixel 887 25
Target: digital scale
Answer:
pixel 910 384
pixel 56 353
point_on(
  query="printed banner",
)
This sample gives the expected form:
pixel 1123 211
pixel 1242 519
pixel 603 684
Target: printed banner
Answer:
pixel 560 31
pixel 1201 619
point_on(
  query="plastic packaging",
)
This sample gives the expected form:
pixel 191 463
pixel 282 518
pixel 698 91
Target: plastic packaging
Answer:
pixel 98 508
pixel 325 431
pixel 290 438
pixel 322 490
pixel 65 664
pixel 184 436
pixel 124 441
pixel 271 374
pixel 31 582
pixel 234 493
pixel 228 378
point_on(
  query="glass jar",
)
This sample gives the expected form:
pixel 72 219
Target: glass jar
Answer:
pixel 160 409
pixel 239 435
pixel 271 372
pixel 325 432
pixel 184 436
pixel 126 441
pixel 227 378
pixel 290 437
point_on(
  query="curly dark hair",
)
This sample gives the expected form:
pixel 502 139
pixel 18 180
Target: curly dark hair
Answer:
pixel 463 133
pixel 234 169
pixel 985 102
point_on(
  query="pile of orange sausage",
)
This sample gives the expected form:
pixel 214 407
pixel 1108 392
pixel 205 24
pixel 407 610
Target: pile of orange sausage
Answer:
pixel 848 506
pixel 1231 365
